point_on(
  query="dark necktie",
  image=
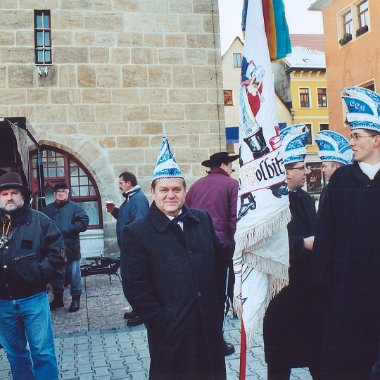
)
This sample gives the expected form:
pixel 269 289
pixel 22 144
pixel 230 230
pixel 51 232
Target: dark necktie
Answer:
pixel 180 218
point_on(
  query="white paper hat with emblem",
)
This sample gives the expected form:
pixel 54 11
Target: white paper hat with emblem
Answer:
pixel 332 146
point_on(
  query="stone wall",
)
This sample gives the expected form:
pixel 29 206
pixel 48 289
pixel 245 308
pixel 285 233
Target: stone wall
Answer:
pixel 123 71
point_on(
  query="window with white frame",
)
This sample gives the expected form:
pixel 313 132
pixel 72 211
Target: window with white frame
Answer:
pixel 354 21
pixel 304 94
pixel 347 23
pixel 42 37
pixel 236 59
pixel 363 15
pixel 324 127
pixel 322 97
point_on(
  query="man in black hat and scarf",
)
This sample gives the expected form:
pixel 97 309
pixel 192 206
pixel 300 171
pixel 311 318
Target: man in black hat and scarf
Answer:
pixel 217 193
pixel 31 255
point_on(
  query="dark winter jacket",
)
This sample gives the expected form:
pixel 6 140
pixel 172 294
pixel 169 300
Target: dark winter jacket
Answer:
pixel 217 194
pixel 33 256
pixel 71 219
pixel 174 280
pixel 346 273
pixel 375 375
pixel 288 324
pixel 134 207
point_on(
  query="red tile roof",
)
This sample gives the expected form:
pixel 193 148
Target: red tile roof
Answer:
pixel 309 41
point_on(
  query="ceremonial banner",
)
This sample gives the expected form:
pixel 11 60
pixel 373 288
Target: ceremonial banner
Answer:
pixel 261 258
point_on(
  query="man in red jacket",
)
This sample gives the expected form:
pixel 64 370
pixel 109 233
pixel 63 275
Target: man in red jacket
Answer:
pixel 217 194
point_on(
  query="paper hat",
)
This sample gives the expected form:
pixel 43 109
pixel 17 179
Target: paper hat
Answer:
pixel 333 147
pixel 294 138
pixel 166 166
pixel 363 108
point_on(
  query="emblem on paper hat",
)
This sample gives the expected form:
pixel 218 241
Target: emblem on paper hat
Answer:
pixel 332 146
pixel 294 138
pixel 166 166
pixel 363 108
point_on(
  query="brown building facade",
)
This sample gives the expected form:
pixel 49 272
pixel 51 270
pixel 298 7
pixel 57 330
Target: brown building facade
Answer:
pixel 351 32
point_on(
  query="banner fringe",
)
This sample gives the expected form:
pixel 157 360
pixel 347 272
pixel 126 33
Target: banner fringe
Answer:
pixel 246 241
pixel 275 286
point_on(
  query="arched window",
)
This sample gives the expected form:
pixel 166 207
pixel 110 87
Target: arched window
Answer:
pixel 60 166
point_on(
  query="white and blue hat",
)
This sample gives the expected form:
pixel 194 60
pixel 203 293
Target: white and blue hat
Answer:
pixel 333 147
pixel 294 138
pixel 166 166
pixel 363 108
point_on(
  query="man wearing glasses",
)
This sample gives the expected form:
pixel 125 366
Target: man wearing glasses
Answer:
pixel 71 219
pixel 346 255
pixel 288 323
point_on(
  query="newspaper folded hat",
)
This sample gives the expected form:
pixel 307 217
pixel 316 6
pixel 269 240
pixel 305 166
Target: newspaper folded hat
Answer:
pixel 333 147
pixel 363 108
pixel 294 138
pixel 166 166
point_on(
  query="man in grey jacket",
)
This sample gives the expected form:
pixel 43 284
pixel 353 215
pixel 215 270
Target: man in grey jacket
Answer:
pixel 134 207
pixel 71 219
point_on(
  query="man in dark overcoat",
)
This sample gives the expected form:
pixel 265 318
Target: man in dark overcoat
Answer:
pixel 173 275
pixel 346 256
pixel 288 339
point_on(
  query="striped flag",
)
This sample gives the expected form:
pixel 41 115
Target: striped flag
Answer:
pixel 261 257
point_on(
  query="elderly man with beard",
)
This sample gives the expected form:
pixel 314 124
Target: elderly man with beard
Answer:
pixel 173 269
pixel 31 255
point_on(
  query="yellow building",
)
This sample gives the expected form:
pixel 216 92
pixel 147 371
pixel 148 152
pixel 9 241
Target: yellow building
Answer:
pixel 300 80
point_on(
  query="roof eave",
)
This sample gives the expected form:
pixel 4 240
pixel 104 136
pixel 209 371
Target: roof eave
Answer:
pixel 318 5
pixel 299 68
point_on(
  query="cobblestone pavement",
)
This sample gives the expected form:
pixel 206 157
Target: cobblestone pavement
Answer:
pixel 96 343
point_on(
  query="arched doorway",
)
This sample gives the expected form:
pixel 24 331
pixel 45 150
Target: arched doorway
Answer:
pixel 61 166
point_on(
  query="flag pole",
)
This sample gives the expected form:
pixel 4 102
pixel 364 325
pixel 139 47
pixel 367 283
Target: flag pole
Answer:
pixel 243 353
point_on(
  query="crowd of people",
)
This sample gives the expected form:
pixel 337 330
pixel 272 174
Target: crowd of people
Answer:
pixel 176 265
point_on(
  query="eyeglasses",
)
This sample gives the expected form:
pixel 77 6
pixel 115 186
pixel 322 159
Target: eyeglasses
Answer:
pixel 304 168
pixel 357 137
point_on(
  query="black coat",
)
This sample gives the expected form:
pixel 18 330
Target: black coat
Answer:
pixel 71 219
pixel 33 257
pixel 174 280
pixel 346 273
pixel 288 323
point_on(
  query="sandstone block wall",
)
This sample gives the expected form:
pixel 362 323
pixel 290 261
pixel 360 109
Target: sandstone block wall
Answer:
pixel 123 71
